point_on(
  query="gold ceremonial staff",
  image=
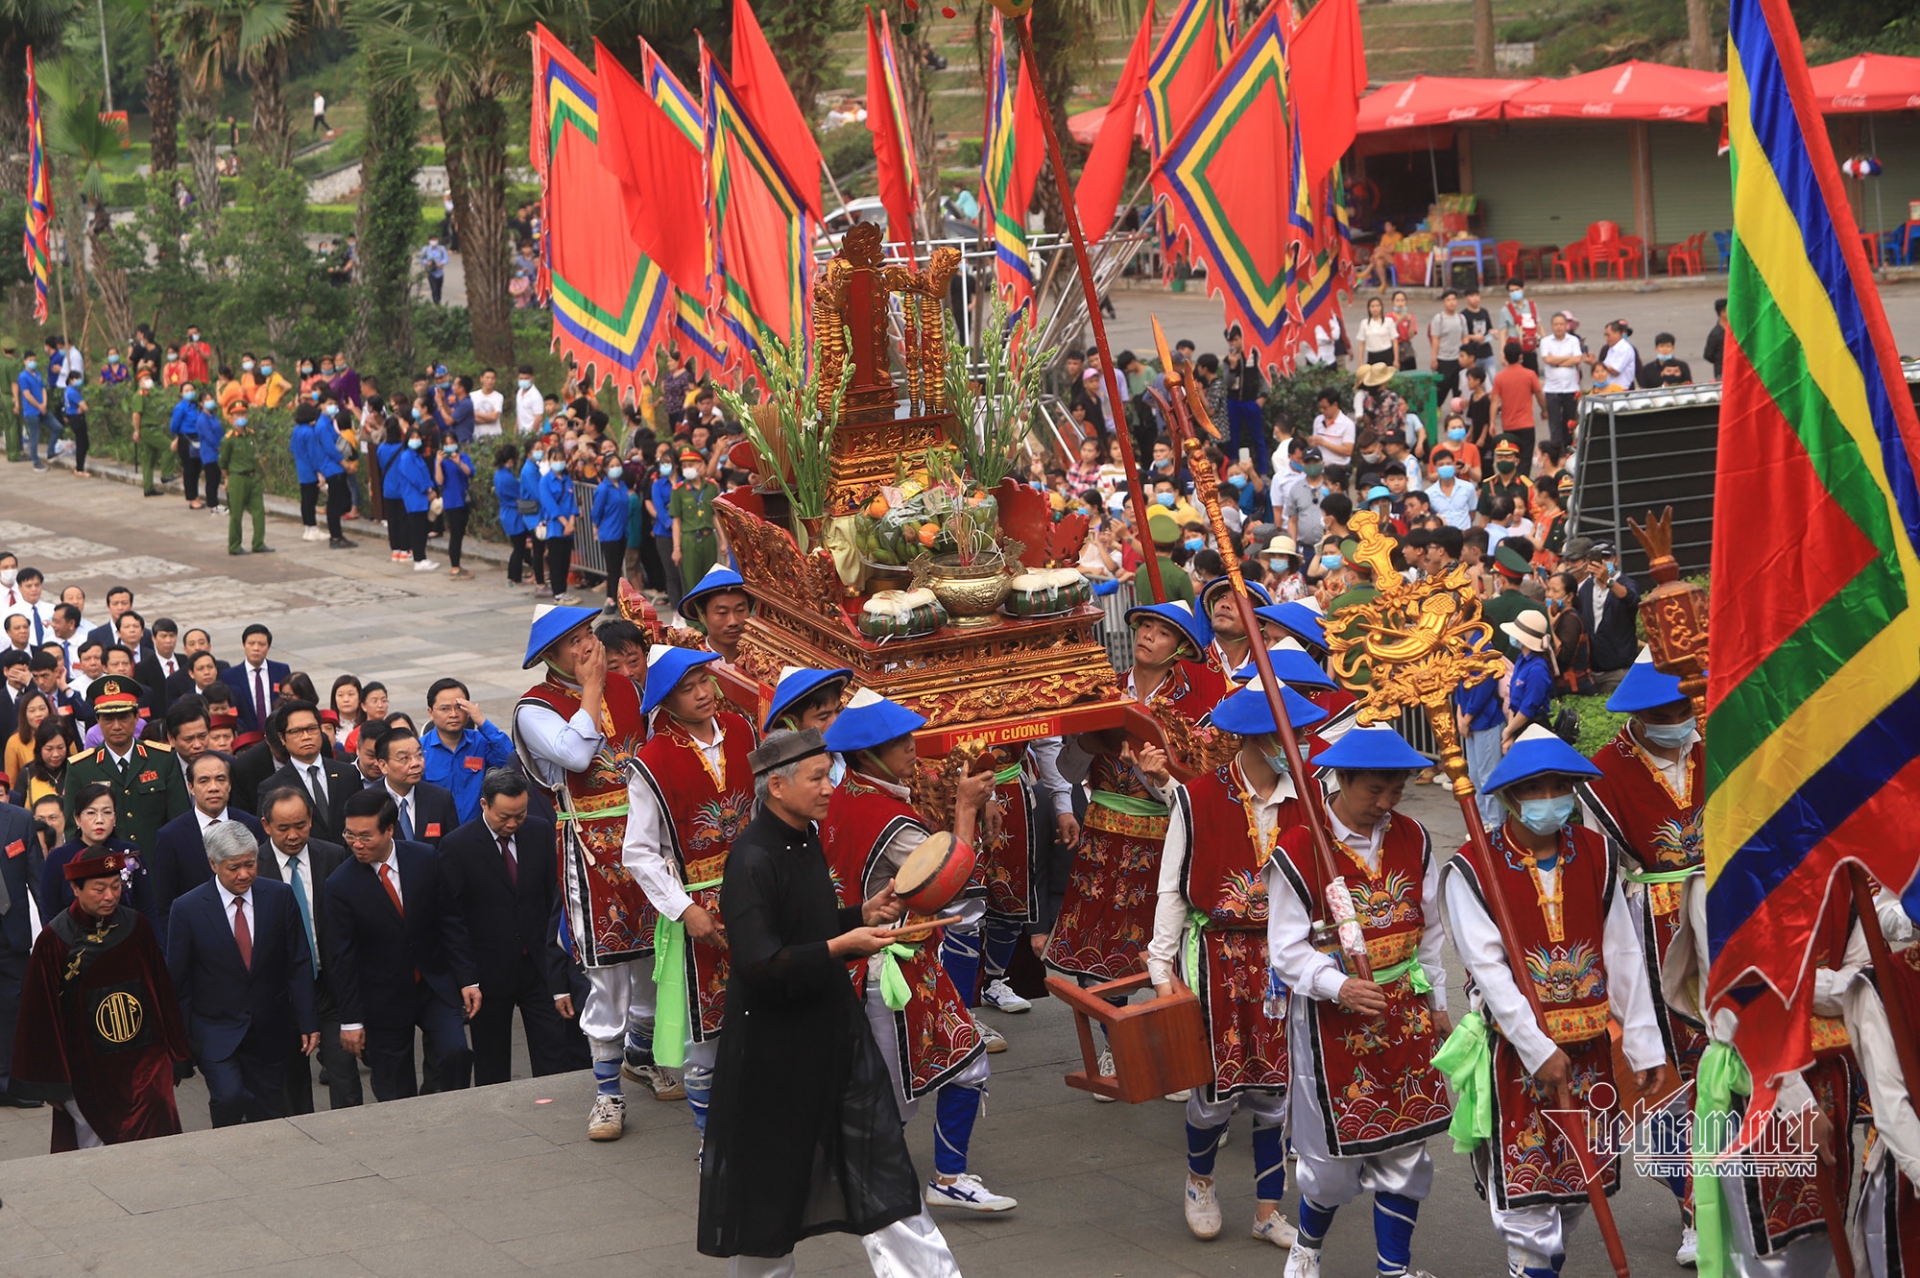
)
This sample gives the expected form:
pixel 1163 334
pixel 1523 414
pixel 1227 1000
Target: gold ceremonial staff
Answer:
pixel 1415 644
pixel 1189 407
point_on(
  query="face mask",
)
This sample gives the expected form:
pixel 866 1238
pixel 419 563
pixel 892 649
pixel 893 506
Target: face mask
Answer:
pixel 416 412
pixel 613 472
pixel 1611 567
pixel 1238 481
pixel 1544 816
pixel 1457 433
pixel 7 575
pixel 330 410
pixel 266 368
pixel 314 396
pixel 246 365
pixel 1296 468
pixel 538 455
pixel 239 423
pixel 1505 467
pixel 546 468
pixel 524 383
pixel 1664 359
pixel 192 336
pixel 1314 472
pixel 1195 543
pixel 666 468
pixel 306 370
pixel 1448 471
pixel 115 359
pixel 32 364
pixel 1280 565
pixel 1668 736
pixel 1329 562
pixel 146 383
pixel 1373 456
pixel 1165 499
pixel 207 404
pixel 1278 762
pixel 452 447
pixel 1163 464
pixel 1516 296
pixel 414 444
pixel 185 392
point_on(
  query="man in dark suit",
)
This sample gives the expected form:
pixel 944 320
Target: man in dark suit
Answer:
pixel 163 662
pixel 21 861
pixel 328 783
pixel 426 811
pixel 15 676
pixel 179 860
pixel 255 680
pixel 119 602
pixel 304 864
pixel 503 871
pixel 397 947
pixel 253 766
pixel 237 952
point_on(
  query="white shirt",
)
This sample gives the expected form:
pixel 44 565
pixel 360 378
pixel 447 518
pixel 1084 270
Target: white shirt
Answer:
pixel 319 105
pixel 527 405
pixel 246 907
pixel 1313 974
pixel 1170 909
pixel 1378 334
pixel 487 403
pixel 1478 940
pixel 1554 379
pixel 204 819
pixel 300 867
pixel 315 783
pixel 644 850
pixel 1624 362
pixel 1341 431
pixel 405 803
pixel 169 666
pixel 43 610
pixel 553 746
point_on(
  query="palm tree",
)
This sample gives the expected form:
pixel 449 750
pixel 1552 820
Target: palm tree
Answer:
pixel 255 36
pixel 388 217
pixel 471 55
pixel 91 149
pixel 23 23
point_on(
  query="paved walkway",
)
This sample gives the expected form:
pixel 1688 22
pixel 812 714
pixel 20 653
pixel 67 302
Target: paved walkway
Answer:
pixel 495 1181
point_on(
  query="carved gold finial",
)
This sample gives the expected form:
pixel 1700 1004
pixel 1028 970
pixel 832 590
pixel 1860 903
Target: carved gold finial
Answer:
pixel 1674 612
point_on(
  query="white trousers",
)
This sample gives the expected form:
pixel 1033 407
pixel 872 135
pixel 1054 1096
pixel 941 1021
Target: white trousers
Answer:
pixel 1809 1256
pixel 1535 1235
pixel 912 1248
pixel 1269 1109
pixel 880 1018
pixel 1334 1180
pixel 616 995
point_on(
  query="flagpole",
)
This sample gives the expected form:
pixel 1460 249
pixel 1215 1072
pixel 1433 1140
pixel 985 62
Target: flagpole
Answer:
pixel 1137 497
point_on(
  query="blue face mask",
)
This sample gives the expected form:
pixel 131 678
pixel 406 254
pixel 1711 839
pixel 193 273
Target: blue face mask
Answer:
pixel 239 423
pixel 1238 481
pixel 115 359
pixel 1668 736
pixel 1165 499
pixel 1457 433
pixel 537 455
pixel 666 468
pixel 1330 562
pixel 1195 543
pixel 1544 816
pixel 1296 467
pixel 1516 296
pixel 1447 471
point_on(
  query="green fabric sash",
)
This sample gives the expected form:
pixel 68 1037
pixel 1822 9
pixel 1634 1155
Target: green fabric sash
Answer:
pixel 1721 1073
pixel 1190 946
pixel 670 982
pixel 1004 775
pixel 618 810
pixel 1409 968
pixel 1466 1059
pixel 1127 803
pixel 1659 876
pixel 894 990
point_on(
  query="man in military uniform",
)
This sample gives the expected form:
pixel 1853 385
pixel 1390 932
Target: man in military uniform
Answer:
pixel 10 368
pixel 1511 564
pixel 1506 479
pixel 149 432
pixel 147 786
pixel 240 462
pixel 1165 531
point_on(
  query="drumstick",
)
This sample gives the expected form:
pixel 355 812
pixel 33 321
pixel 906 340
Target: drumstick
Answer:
pixel 922 925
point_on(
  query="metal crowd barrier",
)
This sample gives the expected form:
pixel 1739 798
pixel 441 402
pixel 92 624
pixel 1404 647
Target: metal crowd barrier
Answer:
pixel 1115 637
pixel 588 557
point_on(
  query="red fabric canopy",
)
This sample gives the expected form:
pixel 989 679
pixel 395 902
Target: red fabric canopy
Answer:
pixel 1869 82
pixel 1629 91
pixel 1433 99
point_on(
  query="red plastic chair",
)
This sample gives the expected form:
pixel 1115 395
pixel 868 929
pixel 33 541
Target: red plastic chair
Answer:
pixel 1871 243
pixel 1689 256
pixel 1574 261
pixel 1604 248
pixel 1633 255
pixel 1507 253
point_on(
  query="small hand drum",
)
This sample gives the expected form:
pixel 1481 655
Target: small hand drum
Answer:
pixel 934 874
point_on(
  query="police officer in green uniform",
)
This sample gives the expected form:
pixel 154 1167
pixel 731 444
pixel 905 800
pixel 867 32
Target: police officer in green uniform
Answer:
pixel 1511 565
pixel 147 786
pixel 240 461
pixel 10 368
pixel 1165 530
pixel 1506 479
pixel 149 431
pixel 696 543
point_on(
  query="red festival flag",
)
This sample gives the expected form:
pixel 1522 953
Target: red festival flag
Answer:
pixel 1098 195
pixel 1328 101
pixel 899 184
pixel 659 172
pixel 761 89
pixel 39 198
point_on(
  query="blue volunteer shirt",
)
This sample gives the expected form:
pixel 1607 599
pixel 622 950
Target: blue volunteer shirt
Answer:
pixel 454 481
pixel 461 770
pixel 610 510
pixel 1481 705
pixel 30 383
pixel 506 499
pixel 1531 689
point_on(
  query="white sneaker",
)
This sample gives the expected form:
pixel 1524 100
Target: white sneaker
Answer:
pixel 1276 1230
pixel 1000 997
pixel 608 1118
pixel 1104 1066
pixel 1203 1207
pixel 1689 1253
pixel 1303 1262
pixel 425 565
pixel 655 1078
pixel 967 1193
pixel 996 1041
pixel 1180 1097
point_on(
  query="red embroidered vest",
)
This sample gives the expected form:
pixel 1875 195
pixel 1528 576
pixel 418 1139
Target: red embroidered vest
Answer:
pixel 608 915
pixel 1566 962
pixel 1374 1082
pixel 706 807
pixel 1659 828
pixel 934 1036
pixel 1225 872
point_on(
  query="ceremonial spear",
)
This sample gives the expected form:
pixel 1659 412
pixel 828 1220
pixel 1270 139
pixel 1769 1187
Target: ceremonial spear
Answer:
pixel 1190 407
pixel 1415 645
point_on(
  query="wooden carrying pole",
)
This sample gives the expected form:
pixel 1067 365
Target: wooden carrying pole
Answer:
pixel 1137 496
pixel 1207 485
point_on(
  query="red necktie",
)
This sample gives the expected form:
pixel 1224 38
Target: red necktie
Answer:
pixel 513 865
pixel 259 698
pixel 393 893
pixel 242 936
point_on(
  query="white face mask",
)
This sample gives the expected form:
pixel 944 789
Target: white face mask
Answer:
pixel 7 575
pixel 689 472
pixel 247 364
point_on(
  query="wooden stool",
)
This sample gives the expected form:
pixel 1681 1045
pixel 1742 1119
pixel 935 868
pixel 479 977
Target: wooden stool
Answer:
pixel 1158 1046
